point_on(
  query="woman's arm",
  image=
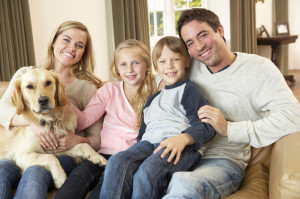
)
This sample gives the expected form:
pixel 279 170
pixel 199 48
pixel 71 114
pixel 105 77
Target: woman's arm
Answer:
pixel 8 115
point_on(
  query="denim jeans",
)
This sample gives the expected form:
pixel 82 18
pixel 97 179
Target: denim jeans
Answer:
pixel 82 179
pixel 10 175
pixel 35 181
pixel 209 179
pixel 139 173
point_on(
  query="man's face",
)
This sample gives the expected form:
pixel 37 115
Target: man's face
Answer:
pixel 203 43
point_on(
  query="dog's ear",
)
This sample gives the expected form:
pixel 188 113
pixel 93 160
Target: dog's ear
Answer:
pixel 17 97
pixel 60 96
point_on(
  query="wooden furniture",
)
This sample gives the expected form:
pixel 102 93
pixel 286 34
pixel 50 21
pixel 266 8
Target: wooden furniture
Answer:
pixel 274 42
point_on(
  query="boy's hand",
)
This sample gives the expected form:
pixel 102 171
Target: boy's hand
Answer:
pixel 175 145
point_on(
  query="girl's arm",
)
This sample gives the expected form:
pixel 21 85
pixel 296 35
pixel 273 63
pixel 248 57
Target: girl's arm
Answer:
pixel 91 113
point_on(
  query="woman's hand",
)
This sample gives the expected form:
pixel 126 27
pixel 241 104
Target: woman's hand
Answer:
pixel 175 145
pixel 67 142
pixel 214 117
pixel 47 139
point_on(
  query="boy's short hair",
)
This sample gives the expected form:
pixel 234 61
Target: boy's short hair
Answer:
pixel 198 14
pixel 174 44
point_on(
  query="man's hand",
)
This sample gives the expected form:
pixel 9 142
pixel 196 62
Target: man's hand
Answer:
pixel 175 145
pixel 214 117
pixel 47 139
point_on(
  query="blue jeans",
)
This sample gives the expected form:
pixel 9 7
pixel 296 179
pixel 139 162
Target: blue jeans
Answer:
pixel 209 179
pixel 139 173
pixel 35 181
pixel 10 175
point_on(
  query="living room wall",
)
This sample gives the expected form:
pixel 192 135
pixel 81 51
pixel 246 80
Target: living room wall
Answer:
pixel 46 15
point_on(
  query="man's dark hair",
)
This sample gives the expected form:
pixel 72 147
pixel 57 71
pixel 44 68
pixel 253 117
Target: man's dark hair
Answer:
pixel 199 14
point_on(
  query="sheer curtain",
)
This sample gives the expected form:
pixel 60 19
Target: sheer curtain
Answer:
pixel 130 20
pixel 243 26
pixel 16 42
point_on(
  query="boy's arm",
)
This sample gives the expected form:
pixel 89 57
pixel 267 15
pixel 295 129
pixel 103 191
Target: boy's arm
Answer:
pixel 192 100
pixel 197 134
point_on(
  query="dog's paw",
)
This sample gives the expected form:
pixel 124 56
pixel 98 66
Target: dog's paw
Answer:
pixel 59 180
pixel 98 159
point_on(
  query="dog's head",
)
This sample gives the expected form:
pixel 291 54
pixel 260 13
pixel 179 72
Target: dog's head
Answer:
pixel 38 90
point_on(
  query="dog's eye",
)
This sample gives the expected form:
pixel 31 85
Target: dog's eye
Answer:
pixel 29 86
pixel 48 83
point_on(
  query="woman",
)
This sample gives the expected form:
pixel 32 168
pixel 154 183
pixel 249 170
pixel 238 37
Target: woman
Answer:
pixel 70 54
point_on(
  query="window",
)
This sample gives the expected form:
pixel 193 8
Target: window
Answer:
pixel 164 14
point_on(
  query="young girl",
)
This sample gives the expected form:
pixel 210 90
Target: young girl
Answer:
pixel 170 129
pixel 120 102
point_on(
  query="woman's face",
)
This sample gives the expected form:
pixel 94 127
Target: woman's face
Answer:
pixel 69 47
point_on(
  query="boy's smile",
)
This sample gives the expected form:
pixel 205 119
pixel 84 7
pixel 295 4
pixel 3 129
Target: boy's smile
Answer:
pixel 171 66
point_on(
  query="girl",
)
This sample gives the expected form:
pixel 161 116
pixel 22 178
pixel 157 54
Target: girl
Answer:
pixel 121 103
pixel 70 53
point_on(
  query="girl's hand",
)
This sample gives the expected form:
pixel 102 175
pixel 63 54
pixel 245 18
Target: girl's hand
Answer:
pixel 175 145
pixel 214 117
pixel 47 139
pixel 67 142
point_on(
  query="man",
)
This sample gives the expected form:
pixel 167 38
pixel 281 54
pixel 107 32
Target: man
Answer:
pixel 250 104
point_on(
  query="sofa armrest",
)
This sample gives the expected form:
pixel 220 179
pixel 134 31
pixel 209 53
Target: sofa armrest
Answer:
pixel 285 168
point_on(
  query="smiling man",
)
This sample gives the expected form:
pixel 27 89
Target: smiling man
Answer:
pixel 250 104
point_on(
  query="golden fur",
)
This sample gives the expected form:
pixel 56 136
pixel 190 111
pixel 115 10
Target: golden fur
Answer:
pixel 39 97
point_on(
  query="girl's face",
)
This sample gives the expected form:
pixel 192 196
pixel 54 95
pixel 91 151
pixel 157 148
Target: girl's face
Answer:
pixel 131 67
pixel 69 47
pixel 171 66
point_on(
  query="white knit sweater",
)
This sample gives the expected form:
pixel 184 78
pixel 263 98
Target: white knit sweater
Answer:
pixel 254 97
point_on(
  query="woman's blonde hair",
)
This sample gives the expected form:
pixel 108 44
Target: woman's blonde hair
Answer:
pixel 148 86
pixel 84 69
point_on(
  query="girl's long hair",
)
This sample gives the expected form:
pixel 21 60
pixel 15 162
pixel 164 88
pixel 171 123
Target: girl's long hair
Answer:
pixel 148 86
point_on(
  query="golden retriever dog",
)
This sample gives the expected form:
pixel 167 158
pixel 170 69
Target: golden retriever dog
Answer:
pixel 39 97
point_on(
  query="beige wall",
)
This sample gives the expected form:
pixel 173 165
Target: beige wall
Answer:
pixel 46 15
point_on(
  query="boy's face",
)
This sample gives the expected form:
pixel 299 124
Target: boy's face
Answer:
pixel 171 66
pixel 203 43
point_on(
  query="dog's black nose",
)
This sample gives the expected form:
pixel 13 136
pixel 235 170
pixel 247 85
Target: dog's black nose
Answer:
pixel 43 100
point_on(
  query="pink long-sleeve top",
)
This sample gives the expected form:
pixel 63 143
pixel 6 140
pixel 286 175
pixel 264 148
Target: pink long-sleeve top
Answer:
pixel 117 133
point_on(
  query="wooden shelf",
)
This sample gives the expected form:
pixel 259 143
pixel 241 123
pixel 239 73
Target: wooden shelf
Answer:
pixel 274 42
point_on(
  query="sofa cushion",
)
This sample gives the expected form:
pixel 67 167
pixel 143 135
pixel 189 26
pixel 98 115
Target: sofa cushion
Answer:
pixel 255 184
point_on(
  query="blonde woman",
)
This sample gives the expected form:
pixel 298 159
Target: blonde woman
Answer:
pixel 121 102
pixel 70 53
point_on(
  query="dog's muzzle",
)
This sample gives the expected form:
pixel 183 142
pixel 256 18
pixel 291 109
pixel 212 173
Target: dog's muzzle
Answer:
pixel 44 103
